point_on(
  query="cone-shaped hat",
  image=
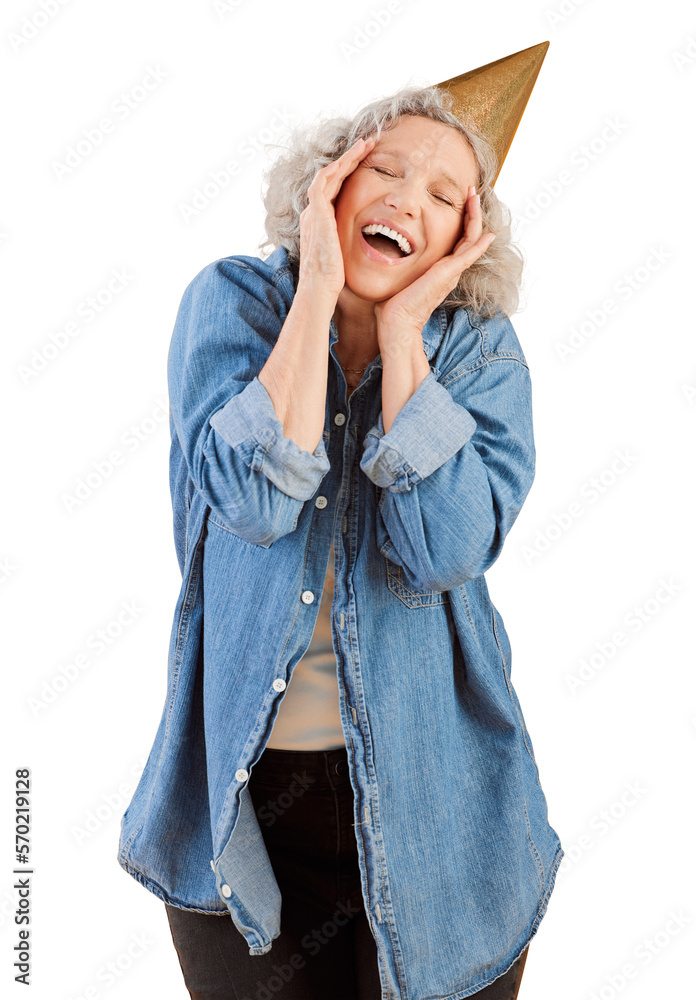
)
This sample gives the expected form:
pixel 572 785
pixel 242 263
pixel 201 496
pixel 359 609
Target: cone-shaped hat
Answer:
pixel 494 96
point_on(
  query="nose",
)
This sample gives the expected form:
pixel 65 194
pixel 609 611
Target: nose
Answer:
pixel 404 197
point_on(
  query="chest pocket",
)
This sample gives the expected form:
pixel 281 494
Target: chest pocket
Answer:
pixel 398 584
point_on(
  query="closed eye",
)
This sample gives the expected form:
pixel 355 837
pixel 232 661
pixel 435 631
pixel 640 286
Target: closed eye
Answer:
pixel 439 197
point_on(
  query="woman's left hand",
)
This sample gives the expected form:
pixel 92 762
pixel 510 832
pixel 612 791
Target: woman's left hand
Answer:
pixel 408 311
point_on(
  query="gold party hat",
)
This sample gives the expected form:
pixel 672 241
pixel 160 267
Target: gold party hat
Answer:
pixel 494 96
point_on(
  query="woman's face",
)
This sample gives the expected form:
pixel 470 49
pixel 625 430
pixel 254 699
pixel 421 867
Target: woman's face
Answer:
pixel 416 181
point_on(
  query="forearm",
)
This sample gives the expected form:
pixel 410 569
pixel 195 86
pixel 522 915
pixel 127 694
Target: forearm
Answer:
pixel 454 468
pixel 296 371
pixel 403 370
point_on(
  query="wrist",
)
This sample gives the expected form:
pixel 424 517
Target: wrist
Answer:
pixel 313 290
pixel 402 343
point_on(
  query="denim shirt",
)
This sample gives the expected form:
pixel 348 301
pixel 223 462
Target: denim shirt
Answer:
pixel 457 857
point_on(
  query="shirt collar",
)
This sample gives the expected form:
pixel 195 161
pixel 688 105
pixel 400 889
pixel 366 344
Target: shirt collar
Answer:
pixel 432 332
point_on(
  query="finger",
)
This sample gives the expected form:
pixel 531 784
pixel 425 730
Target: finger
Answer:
pixel 335 173
pixel 484 241
pixel 472 217
pixel 458 262
pixel 444 275
pixel 346 162
pixel 329 179
pixel 359 149
pixel 472 224
pixel 466 255
pixel 450 269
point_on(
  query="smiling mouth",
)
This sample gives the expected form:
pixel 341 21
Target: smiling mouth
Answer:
pixel 382 248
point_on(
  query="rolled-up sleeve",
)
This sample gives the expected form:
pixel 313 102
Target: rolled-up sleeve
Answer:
pixel 250 418
pixel 254 477
pixel 428 430
pixel 453 472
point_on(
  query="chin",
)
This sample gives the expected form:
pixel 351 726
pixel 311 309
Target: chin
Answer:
pixel 372 288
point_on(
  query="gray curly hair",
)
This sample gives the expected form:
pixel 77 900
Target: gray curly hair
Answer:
pixel 490 284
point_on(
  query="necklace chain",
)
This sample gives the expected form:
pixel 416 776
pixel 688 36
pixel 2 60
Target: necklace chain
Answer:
pixel 355 371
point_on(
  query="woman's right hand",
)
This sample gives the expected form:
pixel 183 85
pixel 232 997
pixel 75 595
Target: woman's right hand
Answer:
pixel 321 258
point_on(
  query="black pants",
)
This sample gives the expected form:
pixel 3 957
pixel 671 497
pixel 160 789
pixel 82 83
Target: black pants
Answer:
pixel 304 804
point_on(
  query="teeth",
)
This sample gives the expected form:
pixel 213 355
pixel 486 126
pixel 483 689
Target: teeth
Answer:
pixel 386 231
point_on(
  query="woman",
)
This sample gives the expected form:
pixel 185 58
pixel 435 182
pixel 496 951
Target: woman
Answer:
pixel 394 840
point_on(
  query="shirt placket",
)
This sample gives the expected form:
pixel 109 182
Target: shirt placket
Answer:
pixel 344 617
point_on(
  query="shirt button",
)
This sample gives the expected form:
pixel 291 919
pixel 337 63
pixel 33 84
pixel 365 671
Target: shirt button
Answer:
pixel 320 502
pixel 340 419
pixel 307 596
pixel 241 774
pixel 279 684
pixel 226 891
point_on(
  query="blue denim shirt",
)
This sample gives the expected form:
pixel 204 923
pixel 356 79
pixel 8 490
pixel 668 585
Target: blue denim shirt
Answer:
pixel 456 853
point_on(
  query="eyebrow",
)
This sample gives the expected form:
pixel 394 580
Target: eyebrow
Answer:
pixel 396 155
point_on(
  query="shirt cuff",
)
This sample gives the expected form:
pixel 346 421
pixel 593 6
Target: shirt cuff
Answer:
pixel 249 420
pixel 428 430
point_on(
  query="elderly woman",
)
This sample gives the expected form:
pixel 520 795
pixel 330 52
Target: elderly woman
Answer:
pixel 342 800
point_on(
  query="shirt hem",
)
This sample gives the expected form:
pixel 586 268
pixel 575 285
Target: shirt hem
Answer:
pixel 158 891
pixel 541 910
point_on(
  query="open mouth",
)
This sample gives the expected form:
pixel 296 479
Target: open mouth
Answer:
pixel 379 246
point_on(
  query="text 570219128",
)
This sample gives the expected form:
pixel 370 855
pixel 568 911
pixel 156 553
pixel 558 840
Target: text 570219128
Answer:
pixel 23 885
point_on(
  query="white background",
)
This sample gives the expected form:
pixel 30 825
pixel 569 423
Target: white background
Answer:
pixel 616 82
